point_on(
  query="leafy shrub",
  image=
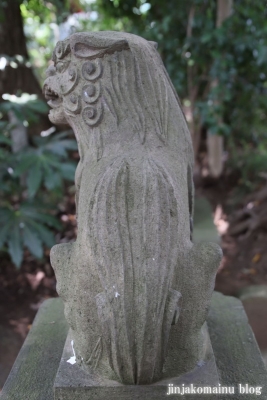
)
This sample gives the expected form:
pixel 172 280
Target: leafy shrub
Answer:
pixel 26 225
pixel 43 163
pixel 30 181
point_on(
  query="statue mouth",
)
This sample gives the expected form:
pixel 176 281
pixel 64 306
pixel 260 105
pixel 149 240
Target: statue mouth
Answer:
pixel 52 97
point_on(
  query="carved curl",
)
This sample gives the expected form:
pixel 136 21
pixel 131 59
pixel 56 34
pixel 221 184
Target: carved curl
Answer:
pixel 92 115
pixel 61 51
pixel 71 83
pixel 91 93
pixel 92 70
pixel 72 104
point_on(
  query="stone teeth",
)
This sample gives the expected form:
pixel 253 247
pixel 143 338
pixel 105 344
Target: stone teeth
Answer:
pixel 50 92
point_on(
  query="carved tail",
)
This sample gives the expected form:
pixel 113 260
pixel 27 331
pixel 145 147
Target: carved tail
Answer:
pixel 133 224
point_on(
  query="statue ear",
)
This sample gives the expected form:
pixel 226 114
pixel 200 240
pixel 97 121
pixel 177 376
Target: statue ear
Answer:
pixel 92 47
pixel 84 50
pixel 153 44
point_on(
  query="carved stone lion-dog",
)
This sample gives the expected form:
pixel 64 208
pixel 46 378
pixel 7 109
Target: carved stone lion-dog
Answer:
pixel 136 289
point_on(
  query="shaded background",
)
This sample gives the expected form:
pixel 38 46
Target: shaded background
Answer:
pixel 216 55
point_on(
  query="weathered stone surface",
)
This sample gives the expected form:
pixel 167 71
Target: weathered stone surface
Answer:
pixel 236 352
pixel 133 280
pixel 34 371
pixel 254 299
pixel 71 382
pixel 253 291
pixel 237 355
pixel 255 305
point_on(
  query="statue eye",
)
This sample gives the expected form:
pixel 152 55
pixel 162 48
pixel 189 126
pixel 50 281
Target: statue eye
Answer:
pixel 60 66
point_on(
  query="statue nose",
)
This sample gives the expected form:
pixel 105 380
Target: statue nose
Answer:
pixel 50 71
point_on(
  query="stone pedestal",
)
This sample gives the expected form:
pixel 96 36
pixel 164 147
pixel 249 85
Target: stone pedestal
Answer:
pixel 37 373
pixel 73 383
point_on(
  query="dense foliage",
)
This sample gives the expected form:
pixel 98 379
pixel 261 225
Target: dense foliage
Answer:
pixel 32 181
pixel 196 53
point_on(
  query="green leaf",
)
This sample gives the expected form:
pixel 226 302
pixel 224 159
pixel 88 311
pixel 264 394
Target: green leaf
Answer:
pixel 4 232
pixel 52 180
pixel 15 247
pixel 68 171
pixel 206 37
pixel 44 233
pixel 57 148
pixel 31 211
pixel 25 162
pixel 34 179
pixel 62 135
pixel 60 146
pixel 19 113
pixel 6 214
pixel 38 106
pixel 69 144
pixel 5 140
pixel 32 241
pixel 3 125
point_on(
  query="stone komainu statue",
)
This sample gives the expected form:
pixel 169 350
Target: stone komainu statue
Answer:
pixel 136 290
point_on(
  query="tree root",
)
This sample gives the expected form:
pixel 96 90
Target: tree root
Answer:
pixel 248 220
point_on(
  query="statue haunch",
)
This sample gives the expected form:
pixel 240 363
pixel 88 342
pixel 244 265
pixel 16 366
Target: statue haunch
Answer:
pixel 136 289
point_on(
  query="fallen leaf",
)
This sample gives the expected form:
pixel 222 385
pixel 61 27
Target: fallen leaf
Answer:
pixel 252 271
pixel 256 258
pixel 35 279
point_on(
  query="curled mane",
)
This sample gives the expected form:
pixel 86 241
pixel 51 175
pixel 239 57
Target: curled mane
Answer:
pixel 133 82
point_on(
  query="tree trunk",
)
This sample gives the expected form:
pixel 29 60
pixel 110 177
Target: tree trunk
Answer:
pixel 215 142
pixel 12 43
pixel 20 79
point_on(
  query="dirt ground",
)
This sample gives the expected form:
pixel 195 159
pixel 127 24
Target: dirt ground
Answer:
pixel 244 263
pixel 242 225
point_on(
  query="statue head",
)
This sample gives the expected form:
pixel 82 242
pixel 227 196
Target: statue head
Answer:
pixel 113 89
